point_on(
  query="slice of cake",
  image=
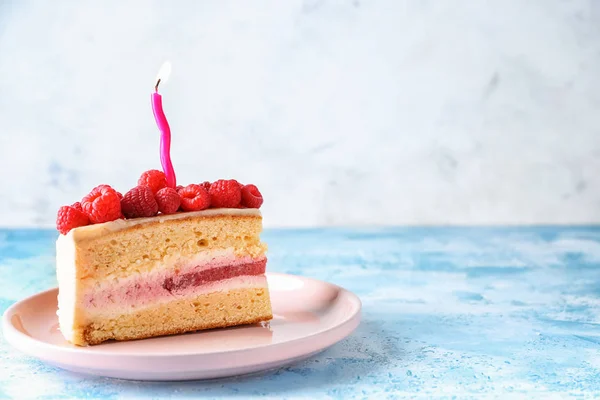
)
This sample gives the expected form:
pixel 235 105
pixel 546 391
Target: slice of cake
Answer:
pixel 137 277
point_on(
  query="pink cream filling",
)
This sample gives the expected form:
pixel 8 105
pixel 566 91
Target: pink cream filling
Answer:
pixel 178 283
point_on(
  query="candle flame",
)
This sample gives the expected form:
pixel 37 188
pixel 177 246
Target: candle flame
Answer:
pixel 163 74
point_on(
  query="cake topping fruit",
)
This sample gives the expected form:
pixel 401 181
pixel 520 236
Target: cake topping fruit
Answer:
pixel 69 217
pixel 251 197
pixel 194 198
pixel 139 202
pixel 225 194
pixel 102 204
pixel 154 179
pixel 151 196
pixel 168 200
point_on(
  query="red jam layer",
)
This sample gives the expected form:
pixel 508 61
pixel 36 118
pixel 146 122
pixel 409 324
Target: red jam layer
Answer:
pixel 193 279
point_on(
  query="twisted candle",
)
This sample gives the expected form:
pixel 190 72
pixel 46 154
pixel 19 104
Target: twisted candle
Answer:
pixel 165 132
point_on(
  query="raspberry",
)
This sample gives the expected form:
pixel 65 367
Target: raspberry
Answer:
pixel 77 206
pixel 108 187
pixel 205 185
pixel 102 204
pixel 251 197
pixel 139 202
pixel 68 217
pixel 168 200
pixel 154 179
pixel 194 198
pixel 178 188
pixel 225 194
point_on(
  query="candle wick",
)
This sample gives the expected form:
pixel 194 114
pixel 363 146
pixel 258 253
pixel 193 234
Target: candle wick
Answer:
pixel 157 83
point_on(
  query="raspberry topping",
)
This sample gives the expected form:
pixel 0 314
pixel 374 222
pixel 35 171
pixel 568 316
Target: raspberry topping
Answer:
pixel 168 200
pixel 154 179
pixel 68 217
pixel 139 202
pixel 102 204
pixel 194 198
pixel 225 194
pixel 151 196
pixel 251 197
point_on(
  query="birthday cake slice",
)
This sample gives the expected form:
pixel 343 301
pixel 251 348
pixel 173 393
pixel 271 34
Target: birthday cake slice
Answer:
pixel 160 261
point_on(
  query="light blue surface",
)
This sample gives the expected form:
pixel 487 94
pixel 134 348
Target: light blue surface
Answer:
pixel 447 312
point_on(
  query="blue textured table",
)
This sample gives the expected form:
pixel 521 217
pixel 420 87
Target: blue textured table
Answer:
pixel 447 312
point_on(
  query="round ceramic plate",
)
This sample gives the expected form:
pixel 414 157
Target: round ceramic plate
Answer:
pixel 308 316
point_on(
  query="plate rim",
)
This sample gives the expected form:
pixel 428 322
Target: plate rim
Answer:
pixel 13 335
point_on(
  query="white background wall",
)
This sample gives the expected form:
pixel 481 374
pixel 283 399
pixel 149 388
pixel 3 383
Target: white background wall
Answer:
pixel 343 112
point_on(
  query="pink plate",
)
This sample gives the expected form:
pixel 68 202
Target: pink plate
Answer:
pixel 309 316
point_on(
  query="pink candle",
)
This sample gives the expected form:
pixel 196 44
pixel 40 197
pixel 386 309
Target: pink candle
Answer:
pixel 165 130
